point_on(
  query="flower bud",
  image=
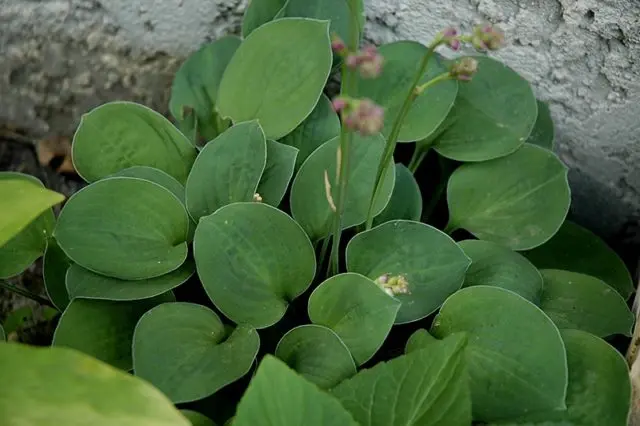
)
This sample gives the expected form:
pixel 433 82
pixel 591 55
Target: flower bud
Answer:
pixel 487 37
pixel 393 285
pixel 338 45
pixel 339 104
pixel 464 69
pixel 257 198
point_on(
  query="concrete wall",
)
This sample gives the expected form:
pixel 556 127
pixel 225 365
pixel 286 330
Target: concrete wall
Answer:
pixel 59 58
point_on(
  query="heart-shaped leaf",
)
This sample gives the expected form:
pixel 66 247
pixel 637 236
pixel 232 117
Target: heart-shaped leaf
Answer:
pixel 429 260
pixel 253 260
pixel 495 265
pixel 278 171
pixel 82 283
pixel 142 236
pixel 402 60
pixel 197 419
pixel 103 329
pixel 227 170
pixel 260 12
pixel 580 302
pixel 357 310
pixel 319 127
pixel 518 201
pixel 543 133
pixel 420 339
pixel 406 199
pixel 25 226
pixel 574 248
pixel 309 204
pixel 277 75
pixel 317 354
pixel 279 396
pixel 599 390
pixel 196 83
pixel 427 387
pixel 185 351
pixel 59 386
pixel 492 117
pixel 524 374
pixel 118 135
pixel 54 271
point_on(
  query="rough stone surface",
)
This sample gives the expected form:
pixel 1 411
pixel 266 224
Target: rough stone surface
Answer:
pixel 59 58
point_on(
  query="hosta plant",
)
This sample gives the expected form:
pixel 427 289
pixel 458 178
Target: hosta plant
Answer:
pixel 282 252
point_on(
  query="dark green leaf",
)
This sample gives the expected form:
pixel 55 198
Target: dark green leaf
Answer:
pixel 54 272
pixel 427 387
pixel 197 419
pixel 420 339
pixel 126 228
pixel 103 329
pixel 260 12
pixel 278 396
pixel 402 60
pixel 309 204
pixel 406 199
pixel 85 284
pixel 59 386
pixel 543 133
pixel 227 170
pixel 574 248
pixel 518 201
pixel 3 335
pixel 260 253
pixel 581 302
pixel 319 127
pixel 357 310
pixel 430 261
pixel 118 135
pixel 493 115
pixel 195 85
pixel 278 171
pixel 516 357
pixel 337 12
pixel 317 354
pixel 185 351
pixel 495 265
pixel 277 75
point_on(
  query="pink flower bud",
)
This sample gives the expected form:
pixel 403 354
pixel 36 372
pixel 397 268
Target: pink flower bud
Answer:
pixel 449 32
pixel 339 104
pixel 352 61
pixel 371 67
pixel 454 44
pixel 338 45
pixel 487 37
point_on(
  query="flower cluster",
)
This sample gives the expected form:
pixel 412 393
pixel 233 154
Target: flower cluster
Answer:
pixel 483 37
pixel 393 285
pixel 367 60
pixel 361 115
pixel 464 69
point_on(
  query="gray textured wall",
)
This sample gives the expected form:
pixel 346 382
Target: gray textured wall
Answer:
pixel 59 58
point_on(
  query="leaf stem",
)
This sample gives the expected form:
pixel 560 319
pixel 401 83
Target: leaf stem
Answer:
pixel 390 147
pixel 26 293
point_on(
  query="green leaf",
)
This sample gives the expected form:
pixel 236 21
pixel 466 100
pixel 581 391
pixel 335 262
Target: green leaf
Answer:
pixel 227 170
pixel 259 12
pixel 337 12
pixel 518 201
pixel 103 329
pixel 196 84
pixel 427 387
pixel 16 320
pixel 578 301
pixel 420 339
pixel 59 386
pixel 118 135
pixel 260 253
pixel 85 284
pixel 357 310
pixel 25 226
pixel 277 75
pixel 319 127
pixel 278 396
pixel 54 271
pixel 278 171
pixel 543 133
pixel 495 265
pixel 309 204
pixel 574 248
pixel 125 228
pixel 3 335
pixel 165 181
pixel 599 391
pixel 406 198
pixel 402 60
pixel 431 262
pixel 517 362
pixel 197 419
pixel 492 117
pixel 317 354
pixel 185 351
